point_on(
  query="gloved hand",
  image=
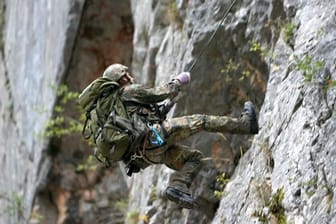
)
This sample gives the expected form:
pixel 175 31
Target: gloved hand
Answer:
pixel 165 107
pixel 183 78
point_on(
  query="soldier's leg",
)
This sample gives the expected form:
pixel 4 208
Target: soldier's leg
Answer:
pixel 247 123
pixel 182 127
pixel 187 164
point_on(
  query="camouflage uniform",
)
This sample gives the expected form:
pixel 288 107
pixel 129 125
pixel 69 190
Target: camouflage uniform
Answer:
pixel 157 143
pixel 184 160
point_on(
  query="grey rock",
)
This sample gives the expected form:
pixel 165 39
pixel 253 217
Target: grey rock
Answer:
pixel 34 56
pixel 285 172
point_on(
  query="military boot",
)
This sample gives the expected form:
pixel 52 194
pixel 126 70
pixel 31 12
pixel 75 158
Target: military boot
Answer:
pixel 182 198
pixel 249 116
pixel 180 181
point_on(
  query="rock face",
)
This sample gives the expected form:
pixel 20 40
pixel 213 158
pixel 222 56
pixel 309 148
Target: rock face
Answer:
pixel 227 74
pixel 46 43
pixel 278 53
pixel 292 156
pixel 85 196
pixel 36 46
pixel 287 174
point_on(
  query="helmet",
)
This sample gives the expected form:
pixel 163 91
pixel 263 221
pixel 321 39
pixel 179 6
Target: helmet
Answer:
pixel 115 71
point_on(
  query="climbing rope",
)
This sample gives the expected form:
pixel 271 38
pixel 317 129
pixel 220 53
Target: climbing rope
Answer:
pixel 212 36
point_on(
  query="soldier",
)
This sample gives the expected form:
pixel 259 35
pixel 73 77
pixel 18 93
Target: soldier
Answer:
pixel 159 144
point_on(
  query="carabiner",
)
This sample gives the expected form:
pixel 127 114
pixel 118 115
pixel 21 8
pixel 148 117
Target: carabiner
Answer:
pixel 158 139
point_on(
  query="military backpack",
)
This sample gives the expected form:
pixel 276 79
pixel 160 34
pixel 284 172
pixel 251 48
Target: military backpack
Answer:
pixel 107 121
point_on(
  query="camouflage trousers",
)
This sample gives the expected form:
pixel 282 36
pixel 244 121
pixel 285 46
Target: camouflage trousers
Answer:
pixel 185 160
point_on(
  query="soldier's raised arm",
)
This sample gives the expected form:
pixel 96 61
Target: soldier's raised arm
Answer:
pixel 157 94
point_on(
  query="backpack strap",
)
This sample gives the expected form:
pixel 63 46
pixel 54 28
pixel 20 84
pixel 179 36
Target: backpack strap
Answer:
pixel 87 118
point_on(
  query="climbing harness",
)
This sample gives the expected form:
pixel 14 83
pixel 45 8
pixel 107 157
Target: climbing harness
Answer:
pixel 155 139
pixel 212 36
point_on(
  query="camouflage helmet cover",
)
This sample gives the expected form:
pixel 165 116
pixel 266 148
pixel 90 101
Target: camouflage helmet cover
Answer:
pixel 115 71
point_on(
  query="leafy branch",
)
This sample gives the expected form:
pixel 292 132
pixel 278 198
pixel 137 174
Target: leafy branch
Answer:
pixel 221 180
pixel 15 204
pixel 61 125
pixel 90 164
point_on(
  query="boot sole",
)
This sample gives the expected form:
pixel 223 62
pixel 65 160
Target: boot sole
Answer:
pixel 183 199
pixel 249 107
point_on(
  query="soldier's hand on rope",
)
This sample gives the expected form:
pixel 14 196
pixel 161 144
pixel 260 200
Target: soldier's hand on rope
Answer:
pixel 183 78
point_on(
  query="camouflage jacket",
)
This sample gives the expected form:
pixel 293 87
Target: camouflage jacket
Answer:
pixel 141 94
pixel 144 101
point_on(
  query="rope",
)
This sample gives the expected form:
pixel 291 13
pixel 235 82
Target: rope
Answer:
pixel 212 36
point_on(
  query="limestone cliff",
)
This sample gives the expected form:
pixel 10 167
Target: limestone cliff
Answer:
pixel 36 44
pixel 280 54
pixel 284 47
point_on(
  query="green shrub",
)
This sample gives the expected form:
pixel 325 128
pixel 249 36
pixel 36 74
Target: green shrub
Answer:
pixel 289 29
pixel 308 66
